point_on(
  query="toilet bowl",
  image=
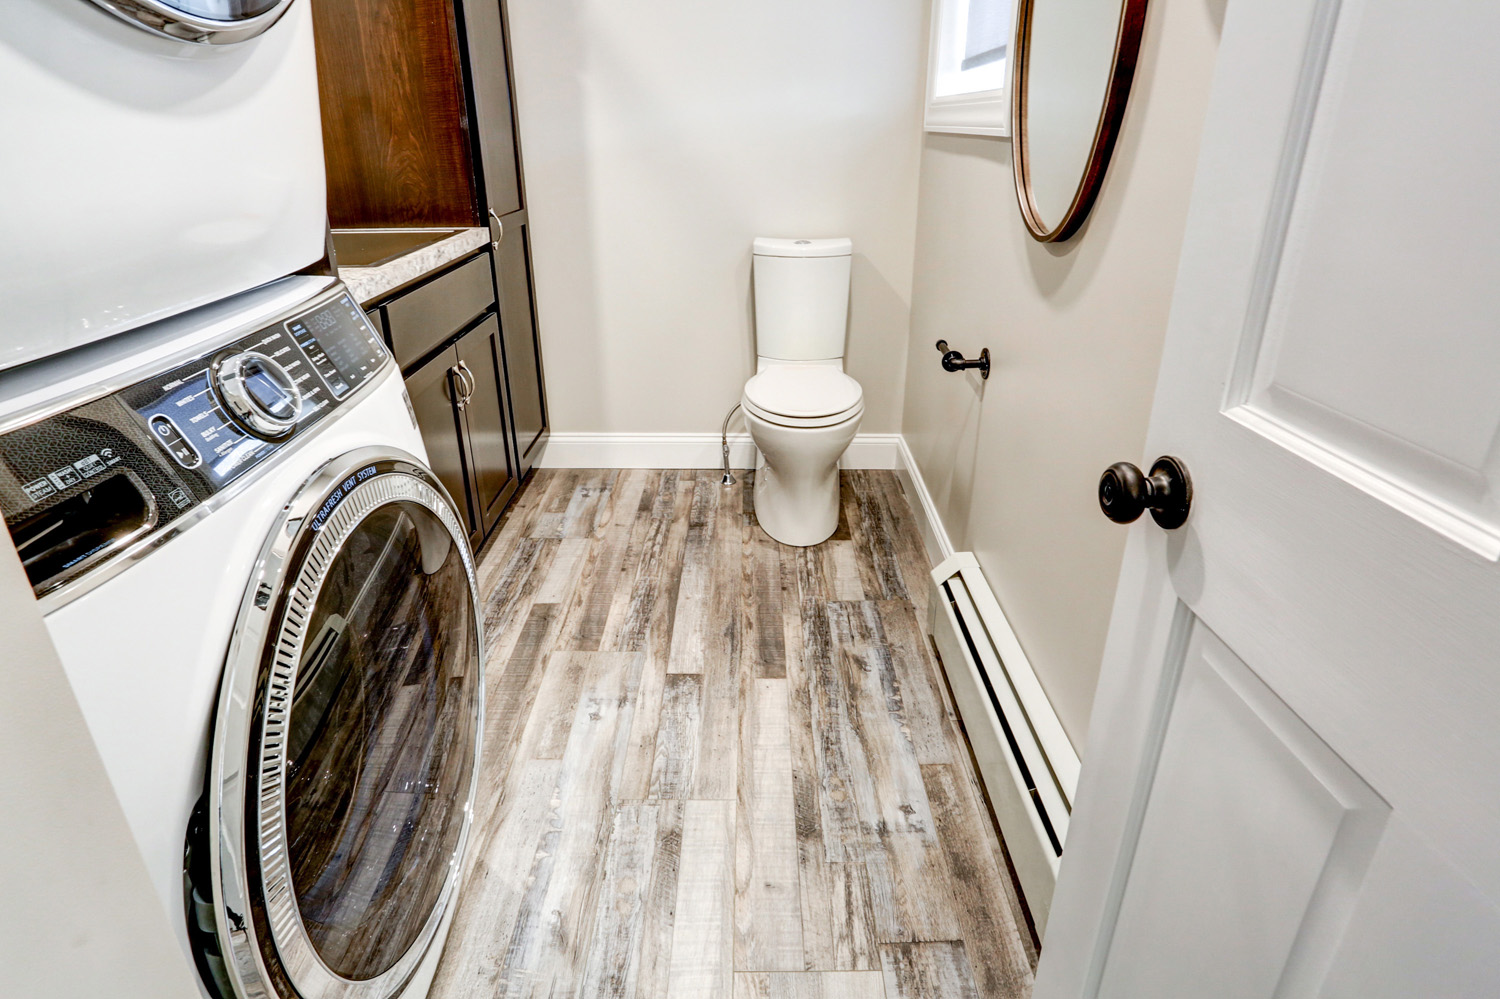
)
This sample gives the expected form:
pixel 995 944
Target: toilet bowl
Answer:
pixel 802 418
pixel 801 409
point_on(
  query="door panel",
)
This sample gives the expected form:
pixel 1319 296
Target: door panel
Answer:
pixel 490 460
pixel 1342 544
pixel 489 76
pixel 1255 831
pixel 431 391
pixel 1389 387
pixel 523 356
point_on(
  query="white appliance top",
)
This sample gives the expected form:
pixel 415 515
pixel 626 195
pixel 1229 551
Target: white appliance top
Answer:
pixel 146 176
pixel 765 246
pixel 803 390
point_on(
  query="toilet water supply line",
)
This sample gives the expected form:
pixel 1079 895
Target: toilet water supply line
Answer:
pixel 728 479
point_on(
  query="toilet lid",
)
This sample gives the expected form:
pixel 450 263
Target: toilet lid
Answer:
pixel 802 391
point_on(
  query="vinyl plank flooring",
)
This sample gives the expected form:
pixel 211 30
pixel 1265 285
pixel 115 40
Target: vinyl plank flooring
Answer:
pixel 936 970
pixel 926 717
pixel 767 897
pixel 809 985
pixel 722 660
pixel 703 927
pixel 677 736
pixel 552 930
pixel 764 588
pixel 473 959
pixel 987 908
pixel 718 766
pixel 610 968
pixel 692 622
pixel 876 704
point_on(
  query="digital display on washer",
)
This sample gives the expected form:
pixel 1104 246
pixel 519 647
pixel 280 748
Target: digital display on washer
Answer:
pixel 339 343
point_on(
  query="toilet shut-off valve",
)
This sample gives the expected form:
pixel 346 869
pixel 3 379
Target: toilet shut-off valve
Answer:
pixel 954 361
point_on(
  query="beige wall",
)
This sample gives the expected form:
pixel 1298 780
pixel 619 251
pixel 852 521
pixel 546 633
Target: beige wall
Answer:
pixel 1075 333
pixel 660 138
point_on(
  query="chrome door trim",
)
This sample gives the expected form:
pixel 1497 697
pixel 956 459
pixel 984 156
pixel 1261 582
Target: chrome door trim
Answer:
pixel 239 779
pixel 163 19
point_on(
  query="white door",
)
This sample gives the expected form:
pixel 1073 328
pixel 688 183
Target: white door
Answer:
pixel 1292 784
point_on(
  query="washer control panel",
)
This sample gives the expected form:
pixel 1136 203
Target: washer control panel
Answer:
pixel 79 486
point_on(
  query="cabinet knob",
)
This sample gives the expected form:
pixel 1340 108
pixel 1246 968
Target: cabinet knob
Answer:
pixel 1125 493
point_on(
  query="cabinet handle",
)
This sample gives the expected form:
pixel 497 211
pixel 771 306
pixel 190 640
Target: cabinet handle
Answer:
pixel 470 383
pixel 497 230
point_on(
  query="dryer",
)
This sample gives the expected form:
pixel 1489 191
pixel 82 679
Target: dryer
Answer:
pixel 159 155
pixel 266 605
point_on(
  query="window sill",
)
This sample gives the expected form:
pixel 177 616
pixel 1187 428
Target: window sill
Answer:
pixel 986 113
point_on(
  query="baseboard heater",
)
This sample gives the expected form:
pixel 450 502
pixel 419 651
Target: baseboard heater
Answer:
pixel 1027 764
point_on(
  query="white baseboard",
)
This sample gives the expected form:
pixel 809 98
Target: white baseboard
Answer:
pixel 692 451
pixel 934 534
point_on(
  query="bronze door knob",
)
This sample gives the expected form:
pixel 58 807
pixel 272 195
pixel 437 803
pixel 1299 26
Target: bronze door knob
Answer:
pixel 1125 493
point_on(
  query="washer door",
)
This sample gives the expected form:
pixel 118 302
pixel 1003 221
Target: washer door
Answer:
pixel 216 22
pixel 347 745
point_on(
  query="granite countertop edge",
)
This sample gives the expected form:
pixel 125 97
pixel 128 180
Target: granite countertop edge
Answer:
pixel 369 283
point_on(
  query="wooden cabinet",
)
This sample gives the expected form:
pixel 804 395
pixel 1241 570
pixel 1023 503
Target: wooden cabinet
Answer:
pixel 492 474
pixel 459 404
pixel 395 132
pixel 420 128
pixel 523 352
pixel 482 26
pixel 431 388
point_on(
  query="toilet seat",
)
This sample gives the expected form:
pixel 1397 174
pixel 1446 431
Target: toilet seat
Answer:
pixel 798 395
pixel 808 422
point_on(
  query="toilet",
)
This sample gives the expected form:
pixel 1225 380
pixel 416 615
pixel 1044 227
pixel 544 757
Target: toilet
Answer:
pixel 801 409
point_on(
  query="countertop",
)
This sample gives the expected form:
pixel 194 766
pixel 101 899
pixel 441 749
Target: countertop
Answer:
pixel 369 283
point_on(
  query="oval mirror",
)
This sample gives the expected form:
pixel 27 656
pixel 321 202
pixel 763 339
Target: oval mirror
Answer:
pixel 1073 67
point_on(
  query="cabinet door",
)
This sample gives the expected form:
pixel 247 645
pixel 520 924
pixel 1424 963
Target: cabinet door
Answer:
pixel 395 141
pixel 494 118
pixel 523 356
pixel 431 388
pixel 491 469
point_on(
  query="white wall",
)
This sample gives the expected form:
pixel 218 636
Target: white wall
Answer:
pixel 660 138
pixel 1075 332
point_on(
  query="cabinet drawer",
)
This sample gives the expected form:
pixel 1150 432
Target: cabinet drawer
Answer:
pixel 425 317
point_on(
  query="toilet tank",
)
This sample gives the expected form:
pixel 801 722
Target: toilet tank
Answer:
pixel 801 298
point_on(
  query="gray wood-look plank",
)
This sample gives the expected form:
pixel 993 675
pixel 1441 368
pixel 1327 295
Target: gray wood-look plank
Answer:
pixel 702 962
pixel 933 970
pixel 718 766
pixel 809 985
pixel 767 897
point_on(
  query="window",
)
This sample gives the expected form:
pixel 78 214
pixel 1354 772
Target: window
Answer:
pixel 968 76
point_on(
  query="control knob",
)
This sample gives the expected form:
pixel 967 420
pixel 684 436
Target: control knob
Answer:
pixel 259 394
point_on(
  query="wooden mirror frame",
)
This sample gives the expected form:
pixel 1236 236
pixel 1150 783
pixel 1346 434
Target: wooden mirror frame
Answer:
pixel 1106 131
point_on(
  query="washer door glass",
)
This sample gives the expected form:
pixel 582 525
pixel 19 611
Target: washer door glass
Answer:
pixel 381 738
pixel 213 22
pixel 222 10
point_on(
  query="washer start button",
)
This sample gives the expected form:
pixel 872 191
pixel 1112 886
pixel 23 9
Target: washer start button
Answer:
pixel 171 439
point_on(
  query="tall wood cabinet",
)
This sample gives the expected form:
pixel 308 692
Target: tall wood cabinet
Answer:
pixel 420 130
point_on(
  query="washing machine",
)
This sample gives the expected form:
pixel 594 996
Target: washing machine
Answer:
pixel 266 605
pixel 159 155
